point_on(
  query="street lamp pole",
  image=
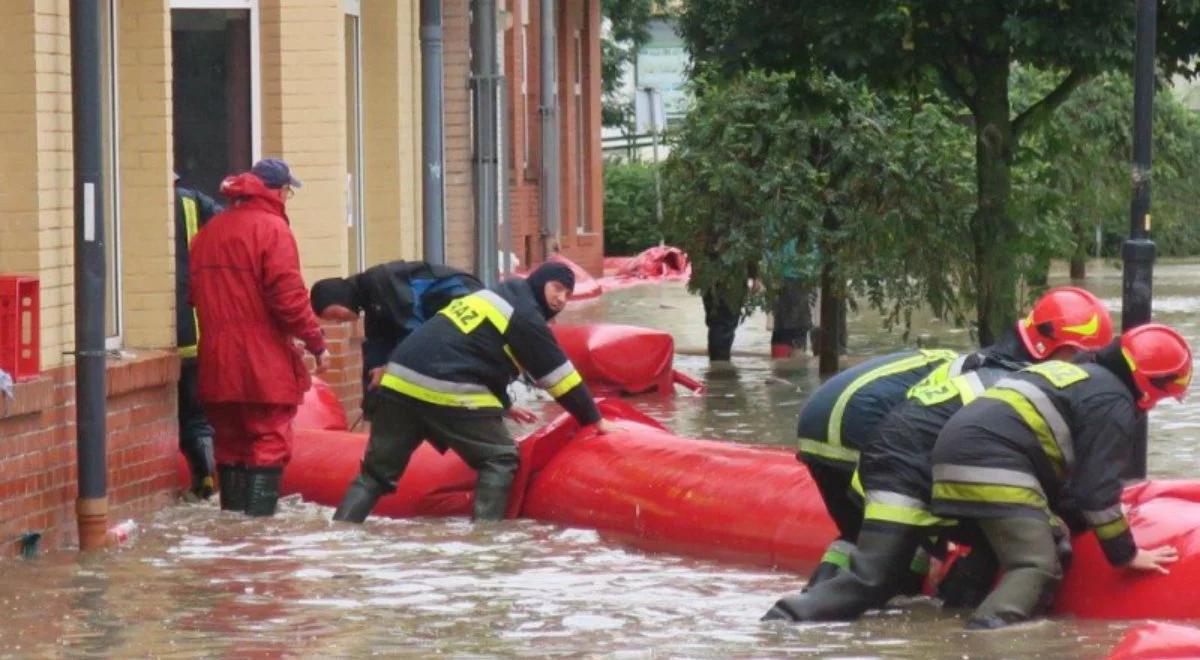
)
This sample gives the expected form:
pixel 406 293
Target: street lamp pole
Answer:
pixel 1138 251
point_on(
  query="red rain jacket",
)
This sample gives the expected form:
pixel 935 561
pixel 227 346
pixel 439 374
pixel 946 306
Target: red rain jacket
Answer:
pixel 251 300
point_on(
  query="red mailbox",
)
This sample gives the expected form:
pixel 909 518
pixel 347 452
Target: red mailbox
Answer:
pixel 20 326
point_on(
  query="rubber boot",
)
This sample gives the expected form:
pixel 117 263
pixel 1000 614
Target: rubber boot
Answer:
pixel 200 463
pixel 969 579
pixel 876 566
pixel 262 491
pixel 232 482
pixel 835 560
pixel 358 501
pixel 491 495
pixel 913 582
pixel 1028 555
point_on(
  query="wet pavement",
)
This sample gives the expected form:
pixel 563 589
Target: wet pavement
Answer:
pixel 196 582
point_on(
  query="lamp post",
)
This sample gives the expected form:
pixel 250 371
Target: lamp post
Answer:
pixel 1138 250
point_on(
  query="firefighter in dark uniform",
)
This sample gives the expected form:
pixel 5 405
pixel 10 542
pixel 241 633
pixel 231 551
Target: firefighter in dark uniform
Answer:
pixel 447 382
pixel 894 468
pixel 843 415
pixel 192 209
pixel 1053 436
pixel 394 298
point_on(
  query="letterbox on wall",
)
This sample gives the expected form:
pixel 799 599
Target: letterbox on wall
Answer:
pixel 20 324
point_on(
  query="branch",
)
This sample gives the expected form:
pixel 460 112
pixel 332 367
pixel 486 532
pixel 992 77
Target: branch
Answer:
pixel 1040 111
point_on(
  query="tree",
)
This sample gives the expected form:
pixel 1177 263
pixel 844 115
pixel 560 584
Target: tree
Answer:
pixel 859 196
pixel 968 50
pixel 626 34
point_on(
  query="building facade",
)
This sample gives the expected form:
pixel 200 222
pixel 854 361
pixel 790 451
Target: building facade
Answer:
pixel 203 88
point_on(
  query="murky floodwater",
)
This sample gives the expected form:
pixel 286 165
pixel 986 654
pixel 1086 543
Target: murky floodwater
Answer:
pixel 196 582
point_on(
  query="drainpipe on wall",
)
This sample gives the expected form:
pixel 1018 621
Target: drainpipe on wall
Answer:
pixel 92 505
pixel 549 118
pixel 433 185
pixel 485 83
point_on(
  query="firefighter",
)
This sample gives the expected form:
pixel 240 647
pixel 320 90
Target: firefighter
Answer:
pixel 895 474
pixel 1054 439
pixel 447 382
pixel 192 211
pixel 843 415
pixel 394 298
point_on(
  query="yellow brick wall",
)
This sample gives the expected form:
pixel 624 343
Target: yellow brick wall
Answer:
pixel 146 164
pixel 391 89
pixel 18 158
pixel 55 208
pixel 304 114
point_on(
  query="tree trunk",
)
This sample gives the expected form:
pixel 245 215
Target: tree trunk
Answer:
pixel 831 304
pixel 992 229
pixel 1080 254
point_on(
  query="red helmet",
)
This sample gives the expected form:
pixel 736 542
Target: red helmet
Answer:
pixel 1161 362
pixel 1065 316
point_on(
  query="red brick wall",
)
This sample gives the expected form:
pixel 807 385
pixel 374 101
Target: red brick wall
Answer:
pixel 344 343
pixel 586 249
pixel 37 448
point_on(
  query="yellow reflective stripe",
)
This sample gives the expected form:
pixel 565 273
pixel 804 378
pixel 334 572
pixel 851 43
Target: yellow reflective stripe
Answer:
pixel 988 493
pixel 838 554
pixel 856 484
pixel 1112 529
pixel 450 399
pixel 191 221
pixel 191 218
pixel 890 506
pixel 825 450
pixel 900 366
pixel 1034 420
pixel 565 385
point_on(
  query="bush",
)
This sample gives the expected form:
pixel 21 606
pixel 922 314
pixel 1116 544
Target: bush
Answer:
pixel 630 225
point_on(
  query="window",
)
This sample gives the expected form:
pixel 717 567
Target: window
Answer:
pixel 109 173
pixel 355 219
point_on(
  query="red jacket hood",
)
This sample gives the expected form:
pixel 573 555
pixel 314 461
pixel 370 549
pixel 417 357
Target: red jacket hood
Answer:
pixel 245 187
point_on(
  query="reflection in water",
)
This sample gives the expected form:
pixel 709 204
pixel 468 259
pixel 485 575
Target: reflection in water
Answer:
pixel 201 583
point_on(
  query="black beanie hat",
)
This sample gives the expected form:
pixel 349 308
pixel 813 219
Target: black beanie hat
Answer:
pixel 334 291
pixel 551 271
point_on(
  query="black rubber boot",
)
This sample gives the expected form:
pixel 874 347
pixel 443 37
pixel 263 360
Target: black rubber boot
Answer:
pixel 200 462
pixel 834 561
pixel 969 579
pixel 876 566
pixel 491 495
pixel 358 501
pixel 232 482
pixel 262 491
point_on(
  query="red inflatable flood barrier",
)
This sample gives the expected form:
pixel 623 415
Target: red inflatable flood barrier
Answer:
pixel 1155 641
pixel 622 359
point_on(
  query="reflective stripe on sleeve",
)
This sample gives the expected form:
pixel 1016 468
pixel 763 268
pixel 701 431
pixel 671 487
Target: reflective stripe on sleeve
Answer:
pixel 889 506
pixel 1038 412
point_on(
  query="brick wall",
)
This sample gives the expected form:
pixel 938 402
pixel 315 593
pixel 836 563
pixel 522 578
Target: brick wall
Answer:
pixel 38 469
pixel 460 207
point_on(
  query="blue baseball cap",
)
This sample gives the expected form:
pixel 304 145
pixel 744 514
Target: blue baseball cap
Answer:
pixel 274 173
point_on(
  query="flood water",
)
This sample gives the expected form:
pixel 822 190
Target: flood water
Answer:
pixel 196 582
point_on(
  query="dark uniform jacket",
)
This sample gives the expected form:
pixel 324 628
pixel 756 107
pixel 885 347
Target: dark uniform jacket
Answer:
pixel 398 296
pixel 843 412
pixel 192 211
pixel 462 360
pixel 895 465
pixel 1051 434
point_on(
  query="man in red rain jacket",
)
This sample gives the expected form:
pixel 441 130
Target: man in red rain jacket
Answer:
pixel 251 301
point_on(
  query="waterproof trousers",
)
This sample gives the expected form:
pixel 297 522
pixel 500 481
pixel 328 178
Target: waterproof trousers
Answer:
pixel 195 433
pixel 1029 560
pixel 398 428
pixel 722 322
pixel 254 435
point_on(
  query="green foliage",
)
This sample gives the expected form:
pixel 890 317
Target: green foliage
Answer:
pixel 627 32
pixel 879 189
pixel 967 50
pixel 630 225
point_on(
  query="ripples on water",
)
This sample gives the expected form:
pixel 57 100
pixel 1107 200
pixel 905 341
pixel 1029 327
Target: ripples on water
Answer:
pixel 197 582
